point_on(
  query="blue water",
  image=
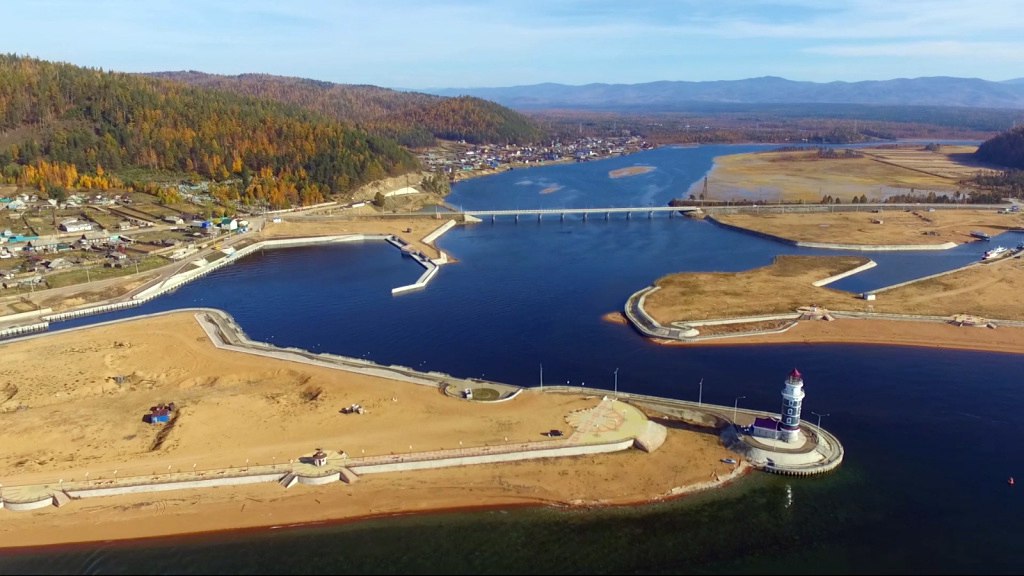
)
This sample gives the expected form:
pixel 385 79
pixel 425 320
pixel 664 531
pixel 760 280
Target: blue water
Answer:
pixel 931 435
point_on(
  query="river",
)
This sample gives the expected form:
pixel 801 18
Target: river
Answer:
pixel 930 435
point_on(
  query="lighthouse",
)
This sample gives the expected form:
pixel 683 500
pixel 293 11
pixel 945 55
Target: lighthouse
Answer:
pixel 792 398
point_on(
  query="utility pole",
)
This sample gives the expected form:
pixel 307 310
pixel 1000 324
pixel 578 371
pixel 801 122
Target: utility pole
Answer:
pixel 735 407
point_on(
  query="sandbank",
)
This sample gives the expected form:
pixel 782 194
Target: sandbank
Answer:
pixel 805 175
pixel 65 415
pixel 630 171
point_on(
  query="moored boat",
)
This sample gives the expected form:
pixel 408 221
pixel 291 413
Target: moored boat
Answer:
pixel 980 235
pixel 994 253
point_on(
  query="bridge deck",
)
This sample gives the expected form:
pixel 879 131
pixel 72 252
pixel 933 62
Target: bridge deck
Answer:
pixel 559 211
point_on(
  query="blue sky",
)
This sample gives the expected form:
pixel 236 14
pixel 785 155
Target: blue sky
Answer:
pixel 463 43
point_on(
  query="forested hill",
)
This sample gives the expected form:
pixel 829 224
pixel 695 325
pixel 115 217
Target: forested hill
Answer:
pixel 64 126
pixel 1006 149
pixel 414 119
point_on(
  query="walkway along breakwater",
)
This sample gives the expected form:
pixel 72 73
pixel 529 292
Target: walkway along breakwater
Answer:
pixel 590 435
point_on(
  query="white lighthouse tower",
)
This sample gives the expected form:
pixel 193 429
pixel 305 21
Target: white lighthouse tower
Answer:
pixel 792 398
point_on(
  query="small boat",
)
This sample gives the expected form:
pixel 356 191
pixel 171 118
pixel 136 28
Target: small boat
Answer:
pixel 994 253
pixel 1010 481
pixel 980 235
pixel 733 461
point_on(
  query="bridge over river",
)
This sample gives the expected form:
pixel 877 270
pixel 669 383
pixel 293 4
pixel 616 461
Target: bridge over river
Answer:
pixel 584 212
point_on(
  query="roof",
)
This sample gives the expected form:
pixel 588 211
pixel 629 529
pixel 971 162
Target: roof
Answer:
pixel 795 374
pixel 769 423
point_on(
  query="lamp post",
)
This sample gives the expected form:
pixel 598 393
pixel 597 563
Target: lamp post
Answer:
pixel 700 392
pixel 735 407
pixel 819 417
pixel 616 381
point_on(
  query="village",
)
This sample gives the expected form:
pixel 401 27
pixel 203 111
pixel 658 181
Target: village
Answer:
pixel 44 243
pixel 462 160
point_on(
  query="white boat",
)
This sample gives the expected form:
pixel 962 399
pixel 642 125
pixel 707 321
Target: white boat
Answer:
pixel 994 253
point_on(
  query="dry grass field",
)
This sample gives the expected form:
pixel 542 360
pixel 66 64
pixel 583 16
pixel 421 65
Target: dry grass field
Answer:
pixel 892 226
pixel 781 287
pixel 795 176
pixel 988 290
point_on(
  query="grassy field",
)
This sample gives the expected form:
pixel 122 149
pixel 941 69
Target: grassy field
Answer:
pixel 867 228
pixel 802 176
pixel 71 277
pixel 781 287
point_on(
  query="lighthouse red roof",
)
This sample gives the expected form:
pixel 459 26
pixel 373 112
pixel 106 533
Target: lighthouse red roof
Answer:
pixel 795 374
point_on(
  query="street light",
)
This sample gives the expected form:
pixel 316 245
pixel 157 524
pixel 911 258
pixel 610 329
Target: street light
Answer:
pixel 700 392
pixel 616 381
pixel 819 417
pixel 735 407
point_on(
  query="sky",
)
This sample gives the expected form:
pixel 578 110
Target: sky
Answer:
pixel 482 43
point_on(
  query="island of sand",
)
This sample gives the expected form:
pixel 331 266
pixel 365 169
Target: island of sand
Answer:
pixel 630 171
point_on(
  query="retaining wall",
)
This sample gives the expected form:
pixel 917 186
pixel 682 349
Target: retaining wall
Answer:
pixel 319 480
pixel 429 238
pixel 177 485
pixel 745 319
pixel 826 281
pixel 493 458
pixel 877 247
pixel 20 316
pixel 24 329
pixel 28 505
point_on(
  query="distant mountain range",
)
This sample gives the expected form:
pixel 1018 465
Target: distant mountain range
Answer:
pixel 674 96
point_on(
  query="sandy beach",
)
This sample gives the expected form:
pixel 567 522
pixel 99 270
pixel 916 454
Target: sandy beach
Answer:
pixel 65 415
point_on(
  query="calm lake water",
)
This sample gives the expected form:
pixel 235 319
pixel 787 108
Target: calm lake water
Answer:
pixel 931 436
